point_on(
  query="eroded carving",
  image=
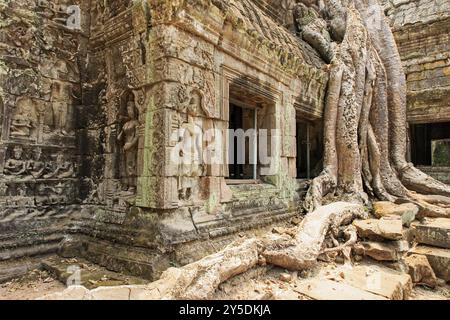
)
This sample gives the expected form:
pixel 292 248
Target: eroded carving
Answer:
pixel 61 168
pixel 129 136
pixel 16 166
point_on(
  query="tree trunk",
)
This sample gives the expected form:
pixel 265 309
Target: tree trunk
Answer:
pixel 365 117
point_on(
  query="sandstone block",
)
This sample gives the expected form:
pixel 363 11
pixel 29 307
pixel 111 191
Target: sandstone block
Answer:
pixel 383 251
pixel 322 289
pixel 391 227
pixel 70 247
pixel 420 270
pixel 407 211
pixel 435 232
pixel 379 280
pixel 141 292
pixel 385 228
pixel 439 259
pixel 111 293
pixel 285 277
pixel 71 293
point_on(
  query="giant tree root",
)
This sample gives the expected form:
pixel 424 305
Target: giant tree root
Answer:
pixel 199 280
pixel 303 252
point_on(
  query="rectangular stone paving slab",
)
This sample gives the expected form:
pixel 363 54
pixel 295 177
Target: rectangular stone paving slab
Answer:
pixel 434 232
pixel 323 289
pixel 382 281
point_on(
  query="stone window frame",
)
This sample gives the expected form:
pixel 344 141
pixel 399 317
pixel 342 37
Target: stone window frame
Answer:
pixel 251 84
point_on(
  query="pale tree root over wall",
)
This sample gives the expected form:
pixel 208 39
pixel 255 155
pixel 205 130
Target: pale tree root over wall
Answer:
pixel 294 249
pixel 199 280
pixel 365 127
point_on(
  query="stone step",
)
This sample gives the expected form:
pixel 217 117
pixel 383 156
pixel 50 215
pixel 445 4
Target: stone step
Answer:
pixel 433 231
pixel 323 289
pixel 439 259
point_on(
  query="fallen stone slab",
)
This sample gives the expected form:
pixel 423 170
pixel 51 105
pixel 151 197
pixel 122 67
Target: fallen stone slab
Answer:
pixel 379 280
pixel 71 293
pixel 112 293
pixel 389 228
pixel 132 292
pixel 433 231
pixel 420 270
pixel 286 294
pixel 382 251
pixel 406 211
pixel 323 289
pixel 439 259
pixel 367 229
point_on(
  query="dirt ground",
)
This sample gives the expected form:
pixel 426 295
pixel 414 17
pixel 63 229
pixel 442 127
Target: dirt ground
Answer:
pixel 31 286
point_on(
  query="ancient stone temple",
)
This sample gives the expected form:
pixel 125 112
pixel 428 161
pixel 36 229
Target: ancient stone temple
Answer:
pixel 92 115
pixel 422 29
pixel 96 98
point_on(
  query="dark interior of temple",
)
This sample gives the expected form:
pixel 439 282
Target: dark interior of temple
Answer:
pixel 422 137
pixel 241 119
pixel 309 149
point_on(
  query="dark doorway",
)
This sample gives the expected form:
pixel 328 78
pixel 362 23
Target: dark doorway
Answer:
pixel 309 149
pixel 423 138
pixel 241 165
pixel 236 169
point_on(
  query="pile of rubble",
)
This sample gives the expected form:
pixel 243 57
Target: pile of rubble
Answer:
pixel 399 238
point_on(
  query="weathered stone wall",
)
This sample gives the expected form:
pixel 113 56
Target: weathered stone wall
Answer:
pixel 422 32
pixel 280 11
pixel 103 109
pixel 40 88
pixel 439 173
pixel 182 67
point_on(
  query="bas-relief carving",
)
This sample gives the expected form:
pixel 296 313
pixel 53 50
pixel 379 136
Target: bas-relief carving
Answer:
pixel 190 167
pixel 25 183
pixel 40 121
pixel 61 168
pixel 23 119
pixel 98 15
pixel 118 188
pixel 20 167
pixel 62 109
pixel 15 166
pixel 50 177
pixel 36 166
pixel 129 138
